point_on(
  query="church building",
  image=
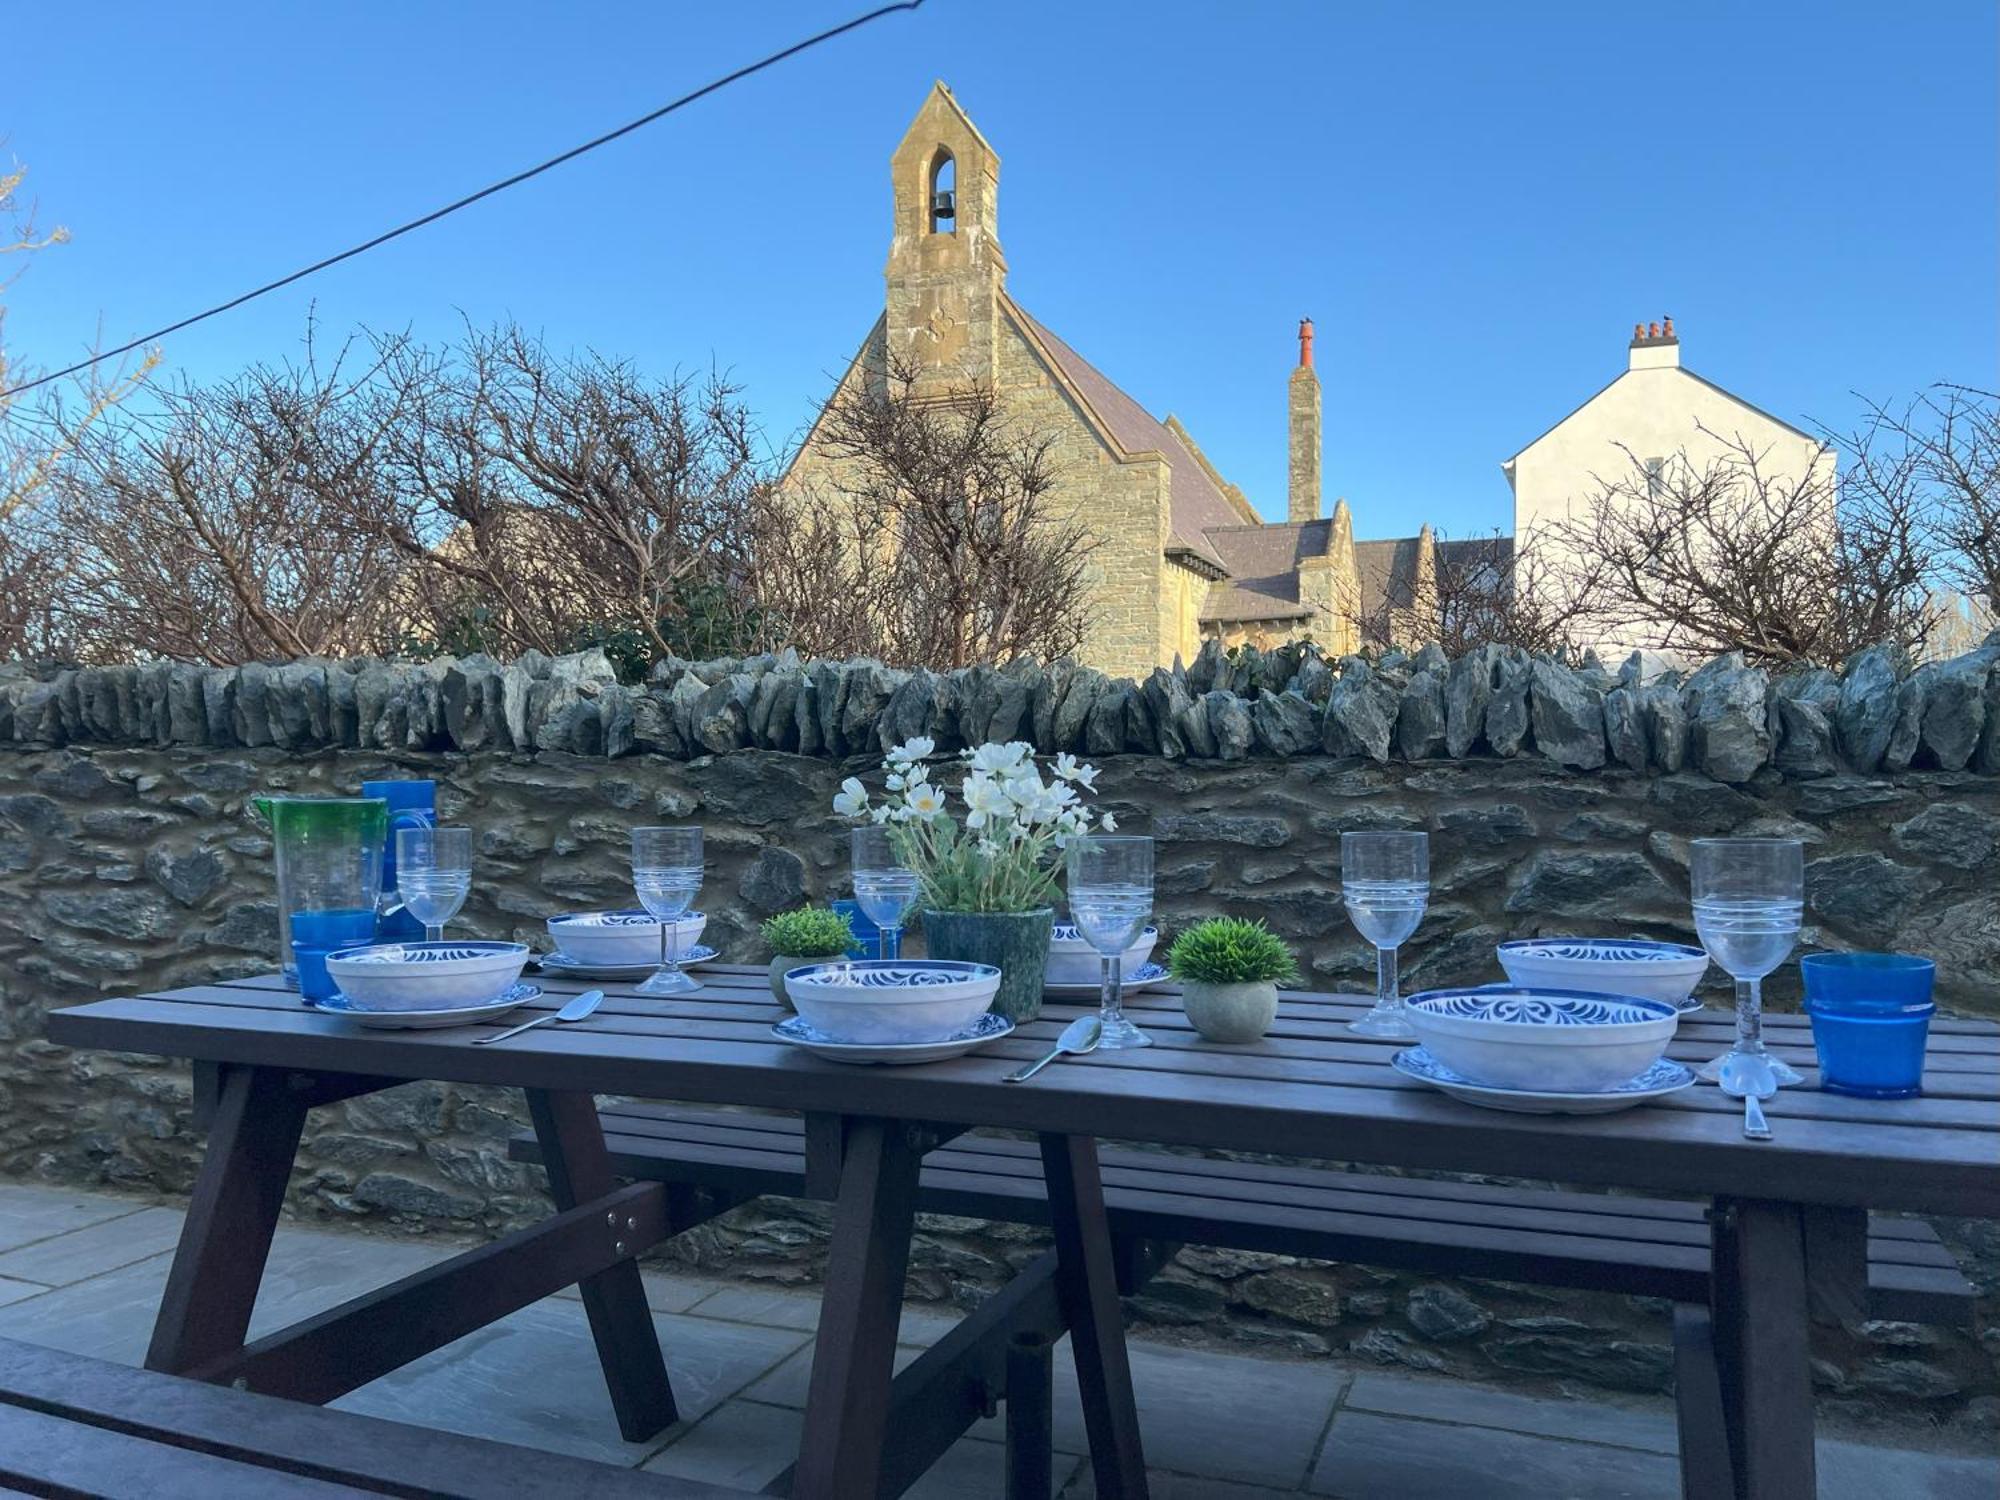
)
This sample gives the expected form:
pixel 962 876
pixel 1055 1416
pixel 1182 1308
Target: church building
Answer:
pixel 1183 555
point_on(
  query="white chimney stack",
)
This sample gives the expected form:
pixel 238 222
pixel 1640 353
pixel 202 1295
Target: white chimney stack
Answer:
pixel 1655 346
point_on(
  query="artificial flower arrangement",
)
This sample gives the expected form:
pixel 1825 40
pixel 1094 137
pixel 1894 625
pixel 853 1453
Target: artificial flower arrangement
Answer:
pixel 1003 854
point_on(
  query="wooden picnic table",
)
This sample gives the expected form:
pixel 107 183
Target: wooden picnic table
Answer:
pixel 1789 1214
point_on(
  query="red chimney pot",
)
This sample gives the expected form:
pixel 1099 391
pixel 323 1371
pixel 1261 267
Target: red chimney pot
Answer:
pixel 1667 328
pixel 1306 342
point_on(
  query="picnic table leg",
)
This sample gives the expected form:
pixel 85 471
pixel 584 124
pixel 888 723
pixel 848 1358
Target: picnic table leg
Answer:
pixel 257 1117
pixel 847 1403
pixel 628 1346
pixel 1761 1323
pixel 1087 1282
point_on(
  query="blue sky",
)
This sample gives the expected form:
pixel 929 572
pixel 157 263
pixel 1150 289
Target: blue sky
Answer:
pixel 1473 201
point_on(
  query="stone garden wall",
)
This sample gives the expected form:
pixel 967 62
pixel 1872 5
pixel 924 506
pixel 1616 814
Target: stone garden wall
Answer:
pixel 129 859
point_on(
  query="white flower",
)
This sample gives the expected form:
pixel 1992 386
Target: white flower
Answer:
pixel 1108 823
pixel 911 751
pixel 1086 777
pixel 985 795
pixel 993 759
pixel 852 799
pixel 988 848
pixel 894 782
pixel 881 815
pixel 916 776
pixel 1066 766
pixel 925 801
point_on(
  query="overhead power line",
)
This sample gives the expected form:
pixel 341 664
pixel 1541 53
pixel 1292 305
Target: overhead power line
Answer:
pixel 471 198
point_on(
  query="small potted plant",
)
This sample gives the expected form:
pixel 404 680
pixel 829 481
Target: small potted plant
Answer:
pixel 1230 971
pixel 810 935
pixel 986 876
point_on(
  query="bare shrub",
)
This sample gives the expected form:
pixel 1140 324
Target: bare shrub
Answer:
pixel 932 533
pixel 1727 553
pixel 544 502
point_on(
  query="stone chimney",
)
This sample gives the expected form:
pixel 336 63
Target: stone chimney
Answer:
pixel 1655 346
pixel 1303 407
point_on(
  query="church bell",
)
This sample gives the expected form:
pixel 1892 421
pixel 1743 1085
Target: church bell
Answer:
pixel 942 206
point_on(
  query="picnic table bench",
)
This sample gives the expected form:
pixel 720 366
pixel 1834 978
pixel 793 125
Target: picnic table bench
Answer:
pixel 78 1427
pixel 1789 1236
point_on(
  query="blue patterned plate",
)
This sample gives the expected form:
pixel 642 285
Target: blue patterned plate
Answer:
pixel 801 1033
pixel 1145 977
pixel 1662 1078
pixel 421 1020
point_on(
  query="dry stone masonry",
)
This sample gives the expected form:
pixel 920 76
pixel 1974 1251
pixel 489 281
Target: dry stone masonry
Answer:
pixel 1727 721
pixel 1557 799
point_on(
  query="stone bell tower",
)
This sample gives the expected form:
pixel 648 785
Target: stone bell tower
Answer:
pixel 946 269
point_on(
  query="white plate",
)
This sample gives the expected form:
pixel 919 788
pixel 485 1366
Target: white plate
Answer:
pixel 1147 976
pixel 800 1033
pixel 420 1020
pixel 696 955
pixel 1662 1078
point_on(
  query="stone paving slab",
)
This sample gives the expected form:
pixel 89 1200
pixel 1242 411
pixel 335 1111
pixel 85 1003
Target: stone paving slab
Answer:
pixel 29 1212
pixel 533 1378
pixel 1454 1401
pixel 91 1251
pixel 1368 1456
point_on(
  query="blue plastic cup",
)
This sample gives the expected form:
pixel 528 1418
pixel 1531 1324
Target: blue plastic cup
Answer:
pixel 314 982
pixel 867 936
pixel 1871 1015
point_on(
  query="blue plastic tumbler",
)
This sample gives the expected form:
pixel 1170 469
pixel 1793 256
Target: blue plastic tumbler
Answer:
pixel 412 804
pixel 1871 1015
pixel 867 936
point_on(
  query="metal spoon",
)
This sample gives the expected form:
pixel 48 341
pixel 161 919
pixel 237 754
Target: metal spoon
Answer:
pixel 1751 1079
pixel 576 1010
pixel 1080 1036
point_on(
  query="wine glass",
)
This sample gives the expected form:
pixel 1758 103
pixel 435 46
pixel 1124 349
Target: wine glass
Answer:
pixel 1749 898
pixel 666 872
pixel 1110 897
pixel 884 887
pixel 433 875
pixel 1385 884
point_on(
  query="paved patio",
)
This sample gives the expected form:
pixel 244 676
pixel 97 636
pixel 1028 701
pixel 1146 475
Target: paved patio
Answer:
pixel 83 1271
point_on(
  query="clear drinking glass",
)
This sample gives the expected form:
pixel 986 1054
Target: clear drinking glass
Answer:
pixel 1749 898
pixel 884 887
pixel 666 872
pixel 433 875
pixel 1385 884
pixel 1110 898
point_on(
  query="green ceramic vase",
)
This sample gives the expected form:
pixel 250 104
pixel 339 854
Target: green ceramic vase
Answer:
pixel 1014 942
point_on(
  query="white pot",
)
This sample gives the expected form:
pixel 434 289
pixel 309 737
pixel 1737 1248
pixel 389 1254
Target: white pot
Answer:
pixel 1230 1012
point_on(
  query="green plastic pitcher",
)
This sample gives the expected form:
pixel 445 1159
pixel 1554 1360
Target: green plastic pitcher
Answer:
pixel 329 858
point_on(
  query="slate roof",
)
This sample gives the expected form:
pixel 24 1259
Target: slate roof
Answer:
pixel 1196 506
pixel 1388 572
pixel 1263 563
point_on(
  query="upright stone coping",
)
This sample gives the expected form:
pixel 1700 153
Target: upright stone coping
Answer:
pixel 1727 720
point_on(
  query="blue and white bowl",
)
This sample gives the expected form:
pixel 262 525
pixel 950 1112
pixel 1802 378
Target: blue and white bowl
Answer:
pixel 1548 1040
pixel 1608 966
pixel 426 976
pixel 1073 961
pixel 891 1000
pixel 612 939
